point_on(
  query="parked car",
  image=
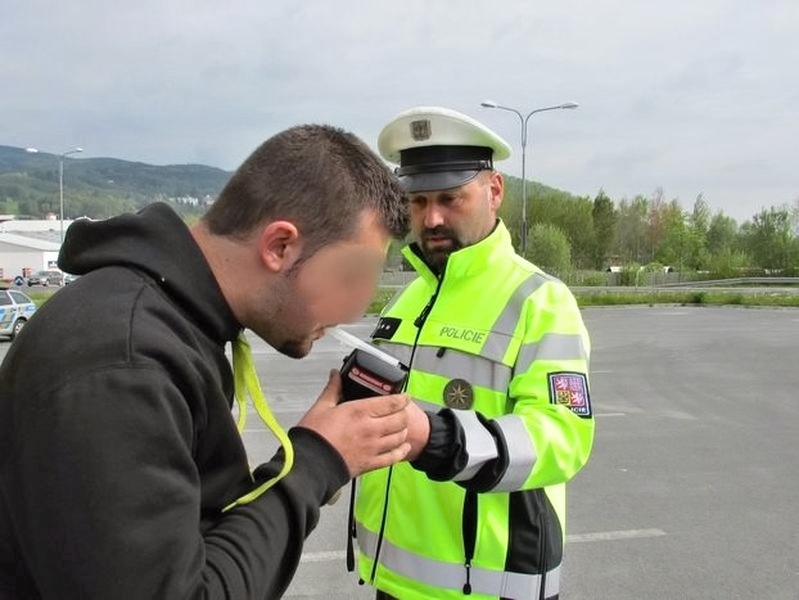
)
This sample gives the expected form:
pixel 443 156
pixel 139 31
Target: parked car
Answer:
pixel 46 277
pixel 15 310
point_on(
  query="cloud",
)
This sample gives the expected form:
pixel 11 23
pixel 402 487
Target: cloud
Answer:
pixel 683 95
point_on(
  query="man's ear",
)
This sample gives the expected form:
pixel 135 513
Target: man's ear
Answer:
pixel 496 187
pixel 279 245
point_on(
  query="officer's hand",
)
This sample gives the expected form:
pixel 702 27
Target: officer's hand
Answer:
pixel 368 434
pixel 418 430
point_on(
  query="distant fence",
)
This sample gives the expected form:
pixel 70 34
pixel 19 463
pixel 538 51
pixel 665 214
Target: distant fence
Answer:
pixel 646 280
pixel 733 281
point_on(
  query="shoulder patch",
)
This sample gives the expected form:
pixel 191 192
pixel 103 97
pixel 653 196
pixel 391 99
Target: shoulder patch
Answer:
pixel 570 390
pixel 386 328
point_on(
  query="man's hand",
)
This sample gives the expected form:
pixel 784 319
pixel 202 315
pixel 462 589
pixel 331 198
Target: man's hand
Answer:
pixel 368 434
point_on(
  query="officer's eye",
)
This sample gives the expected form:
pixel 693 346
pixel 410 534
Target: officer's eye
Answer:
pixel 449 199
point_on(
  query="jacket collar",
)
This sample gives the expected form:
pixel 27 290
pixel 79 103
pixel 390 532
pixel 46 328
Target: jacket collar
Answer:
pixel 467 262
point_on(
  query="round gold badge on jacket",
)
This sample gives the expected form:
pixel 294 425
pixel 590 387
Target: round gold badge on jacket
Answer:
pixel 458 393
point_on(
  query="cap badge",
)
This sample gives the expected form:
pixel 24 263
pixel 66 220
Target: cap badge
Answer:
pixel 420 130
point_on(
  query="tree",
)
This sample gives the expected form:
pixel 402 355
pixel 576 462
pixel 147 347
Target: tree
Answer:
pixel 769 239
pixel 698 225
pixel 603 214
pixel 548 247
pixel 728 262
pixel 572 215
pixel 700 216
pixel 9 207
pixel 722 234
pixel 631 229
pixel 510 210
pixel 673 248
pixel 659 215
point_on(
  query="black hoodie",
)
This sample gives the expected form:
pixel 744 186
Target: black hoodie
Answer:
pixel 117 445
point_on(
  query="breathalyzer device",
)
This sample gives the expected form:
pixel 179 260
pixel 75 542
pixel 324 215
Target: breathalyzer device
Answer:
pixel 368 371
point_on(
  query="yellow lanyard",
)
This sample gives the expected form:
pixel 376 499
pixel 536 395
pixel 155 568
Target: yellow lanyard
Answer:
pixel 245 381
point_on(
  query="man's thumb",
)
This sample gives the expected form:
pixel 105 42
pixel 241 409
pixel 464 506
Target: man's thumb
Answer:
pixel 332 392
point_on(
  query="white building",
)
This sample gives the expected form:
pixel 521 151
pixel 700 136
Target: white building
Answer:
pixel 27 246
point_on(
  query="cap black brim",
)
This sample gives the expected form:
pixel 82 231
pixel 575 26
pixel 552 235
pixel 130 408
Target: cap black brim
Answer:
pixel 445 180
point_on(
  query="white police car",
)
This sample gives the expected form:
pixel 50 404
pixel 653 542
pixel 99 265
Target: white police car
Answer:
pixel 15 310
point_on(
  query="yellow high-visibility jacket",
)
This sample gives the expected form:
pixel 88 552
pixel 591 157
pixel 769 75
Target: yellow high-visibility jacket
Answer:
pixel 497 351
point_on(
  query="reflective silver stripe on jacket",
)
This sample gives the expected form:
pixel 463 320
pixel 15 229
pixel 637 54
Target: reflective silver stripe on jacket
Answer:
pixel 453 364
pixel 444 575
pixel 500 333
pixel 480 445
pixel 497 342
pixel 521 453
pixel 552 346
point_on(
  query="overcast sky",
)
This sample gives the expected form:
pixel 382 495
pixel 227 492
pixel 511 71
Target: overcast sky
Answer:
pixel 694 97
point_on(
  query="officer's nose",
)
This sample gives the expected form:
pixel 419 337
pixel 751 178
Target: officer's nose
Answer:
pixel 433 216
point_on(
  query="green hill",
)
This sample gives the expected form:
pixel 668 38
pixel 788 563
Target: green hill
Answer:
pixel 100 187
pixel 103 187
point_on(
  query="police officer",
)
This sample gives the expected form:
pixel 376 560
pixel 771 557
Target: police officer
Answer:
pixel 498 357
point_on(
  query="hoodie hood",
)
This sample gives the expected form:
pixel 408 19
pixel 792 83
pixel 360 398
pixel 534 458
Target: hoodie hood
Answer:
pixel 156 241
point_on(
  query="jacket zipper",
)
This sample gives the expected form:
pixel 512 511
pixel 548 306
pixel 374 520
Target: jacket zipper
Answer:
pixel 469 531
pixel 418 323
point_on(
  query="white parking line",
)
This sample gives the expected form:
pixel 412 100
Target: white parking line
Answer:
pixel 609 536
pixel 579 538
pixel 324 556
pixel 613 414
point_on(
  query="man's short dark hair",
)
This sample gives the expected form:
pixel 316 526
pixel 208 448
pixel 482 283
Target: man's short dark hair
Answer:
pixel 320 178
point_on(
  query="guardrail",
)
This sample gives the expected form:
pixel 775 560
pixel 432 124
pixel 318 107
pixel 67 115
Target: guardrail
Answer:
pixel 767 281
pixel 661 290
pixel 397 279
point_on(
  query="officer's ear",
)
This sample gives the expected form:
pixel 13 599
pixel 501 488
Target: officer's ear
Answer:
pixel 496 189
pixel 279 245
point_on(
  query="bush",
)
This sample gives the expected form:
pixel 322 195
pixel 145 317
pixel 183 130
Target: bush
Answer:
pixel 629 275
pixel 549 248
pixel 594 279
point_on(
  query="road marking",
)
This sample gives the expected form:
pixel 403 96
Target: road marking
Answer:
pixel 324 556
pixel 579 538
pixel 616 414
pixel 609 536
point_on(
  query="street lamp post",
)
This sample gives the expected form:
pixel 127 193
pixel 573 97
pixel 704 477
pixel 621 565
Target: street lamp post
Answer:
pixel 523 121
pixel 61 158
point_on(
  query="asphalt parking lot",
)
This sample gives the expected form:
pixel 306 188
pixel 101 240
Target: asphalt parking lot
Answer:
pixel 693 486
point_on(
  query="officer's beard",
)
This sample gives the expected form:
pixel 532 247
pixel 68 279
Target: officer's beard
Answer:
pixel 437 244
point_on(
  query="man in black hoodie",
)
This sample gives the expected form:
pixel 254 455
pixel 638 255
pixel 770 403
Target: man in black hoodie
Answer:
pixel 120 462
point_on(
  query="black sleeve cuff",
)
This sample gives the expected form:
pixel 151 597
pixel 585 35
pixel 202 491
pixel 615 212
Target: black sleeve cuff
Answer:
pixel 445 455
pixel 318 467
